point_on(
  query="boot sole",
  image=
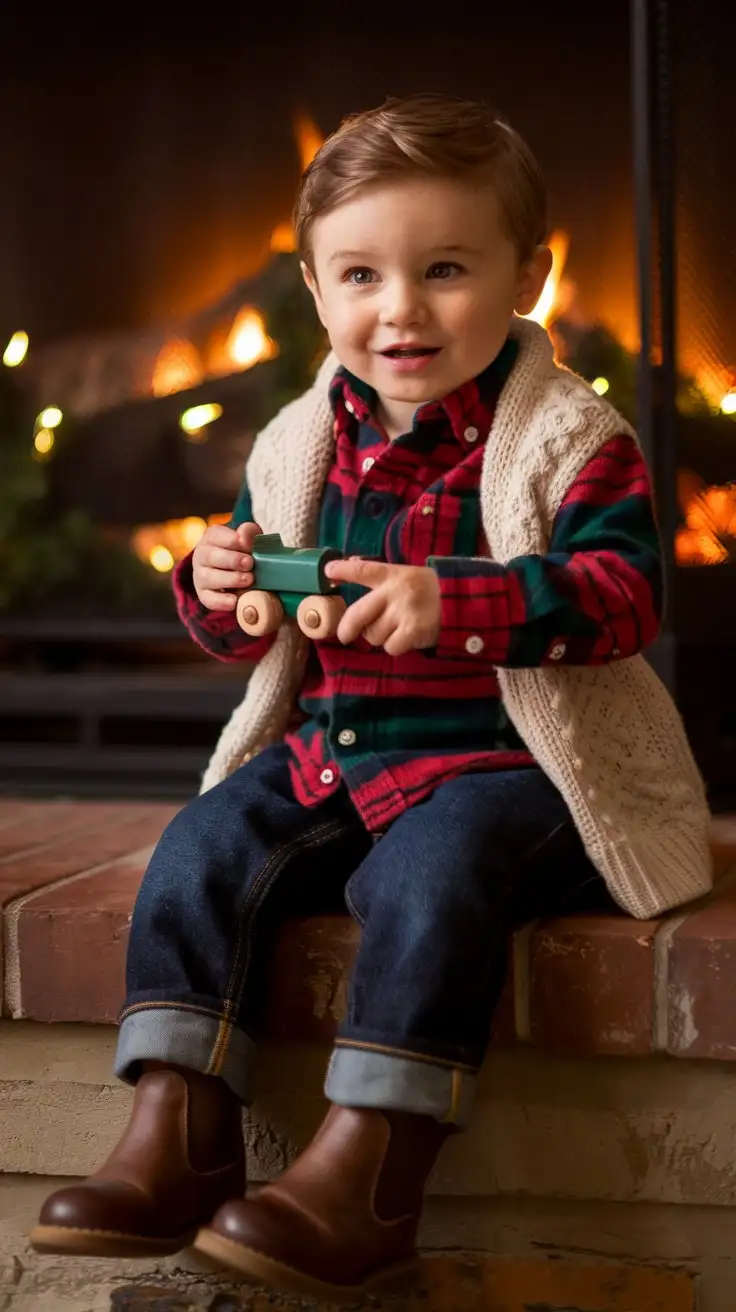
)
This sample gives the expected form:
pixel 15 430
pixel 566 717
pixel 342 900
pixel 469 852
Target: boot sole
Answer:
pixel 62 1240
pixel 397 1278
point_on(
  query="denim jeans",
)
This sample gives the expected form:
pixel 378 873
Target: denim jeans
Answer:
pixel 436 897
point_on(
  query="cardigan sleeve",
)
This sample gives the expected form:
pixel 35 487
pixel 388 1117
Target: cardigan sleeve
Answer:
pixel 594 596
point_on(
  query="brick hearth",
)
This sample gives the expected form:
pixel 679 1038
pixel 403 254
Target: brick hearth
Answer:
pixel 583 986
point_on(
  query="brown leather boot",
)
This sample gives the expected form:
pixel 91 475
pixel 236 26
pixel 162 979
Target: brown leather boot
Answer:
pixel 180 1158
pixel 343 1219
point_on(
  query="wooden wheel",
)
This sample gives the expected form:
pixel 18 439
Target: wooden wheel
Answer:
pixel 318 617
pixel 259 612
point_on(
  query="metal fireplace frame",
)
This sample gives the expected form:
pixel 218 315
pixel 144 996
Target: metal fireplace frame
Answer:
pixel 654 181
pixel 694 654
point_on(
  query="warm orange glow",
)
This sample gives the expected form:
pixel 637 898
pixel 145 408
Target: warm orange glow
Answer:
pixel 308 140
pixel 177 368
pixel 283 241
pixel 249 342
pixel 709 535
pixel 177 537
pixel 557 293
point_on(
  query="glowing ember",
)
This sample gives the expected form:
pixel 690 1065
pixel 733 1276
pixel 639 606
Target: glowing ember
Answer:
pixel 249 342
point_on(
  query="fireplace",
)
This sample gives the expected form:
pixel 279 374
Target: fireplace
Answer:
pixel 138 422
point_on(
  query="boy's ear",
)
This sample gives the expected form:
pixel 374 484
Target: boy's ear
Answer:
pixel 532 278
pixel 313 286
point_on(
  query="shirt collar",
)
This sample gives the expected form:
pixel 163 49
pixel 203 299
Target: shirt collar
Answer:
pixel 468 410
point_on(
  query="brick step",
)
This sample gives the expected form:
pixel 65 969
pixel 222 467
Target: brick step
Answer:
pixel 584 985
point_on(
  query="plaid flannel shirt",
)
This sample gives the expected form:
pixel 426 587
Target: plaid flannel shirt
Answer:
pixel 393 728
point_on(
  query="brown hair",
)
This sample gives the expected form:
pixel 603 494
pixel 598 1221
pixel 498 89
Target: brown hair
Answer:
pixel 429 135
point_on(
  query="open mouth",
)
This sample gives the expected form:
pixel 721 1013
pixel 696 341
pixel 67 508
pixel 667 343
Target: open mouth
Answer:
pixel 410 352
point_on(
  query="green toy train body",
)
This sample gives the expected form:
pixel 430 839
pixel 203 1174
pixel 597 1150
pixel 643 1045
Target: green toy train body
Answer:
pixel 291 573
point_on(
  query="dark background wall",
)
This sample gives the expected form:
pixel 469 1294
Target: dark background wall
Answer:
pixel 146 156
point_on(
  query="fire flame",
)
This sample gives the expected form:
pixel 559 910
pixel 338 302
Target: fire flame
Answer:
pixel 249 342
pixel 308 140
pixel 557 293
pixel 709 534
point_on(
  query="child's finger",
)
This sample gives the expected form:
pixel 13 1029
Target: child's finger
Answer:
pixel 217 580
pixel 218 600
pixel 359 616
pixel 219 558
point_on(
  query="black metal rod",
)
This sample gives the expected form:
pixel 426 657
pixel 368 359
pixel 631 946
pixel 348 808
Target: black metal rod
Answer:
pixel 642 153
pixel 665 193
pixel 654 208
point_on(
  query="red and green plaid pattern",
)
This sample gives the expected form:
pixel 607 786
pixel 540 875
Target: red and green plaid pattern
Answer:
pixel 393 728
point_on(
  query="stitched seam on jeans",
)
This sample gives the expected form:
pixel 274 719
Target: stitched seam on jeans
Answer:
pixel 254 898
pixel 163 1006
pixel 357 916
pixel 410 1056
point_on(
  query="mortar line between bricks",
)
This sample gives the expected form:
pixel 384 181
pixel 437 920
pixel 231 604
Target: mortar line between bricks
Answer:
pixel 12 991
pixel 522 982
pixel 663 939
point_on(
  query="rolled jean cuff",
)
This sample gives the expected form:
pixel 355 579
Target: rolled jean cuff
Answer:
pixel 189 1038
pixel 359 1077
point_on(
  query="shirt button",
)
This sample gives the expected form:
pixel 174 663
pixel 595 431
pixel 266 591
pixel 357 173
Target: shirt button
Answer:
pixel 327 777
pixel 558 652
pixel 347 737
pixel 350 407
pixel 471 434
pixel 367 464
pixel 474 644
pixel 427 509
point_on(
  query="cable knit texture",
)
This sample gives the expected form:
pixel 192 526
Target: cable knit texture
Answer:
pixel 609 736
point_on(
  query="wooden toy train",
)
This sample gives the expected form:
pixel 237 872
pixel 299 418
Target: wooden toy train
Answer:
pixel 290 581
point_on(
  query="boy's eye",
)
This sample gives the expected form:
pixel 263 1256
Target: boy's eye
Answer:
pixel 443 269
pixel 359 277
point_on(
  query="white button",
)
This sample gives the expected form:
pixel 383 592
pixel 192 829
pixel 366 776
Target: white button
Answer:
pixel 350 407
pixel 427 510
pixel 367 464
pixel 347 737
pixel 558 652
pixel 327 777
pixel 474 645
pixel 617 651
pixel 471 434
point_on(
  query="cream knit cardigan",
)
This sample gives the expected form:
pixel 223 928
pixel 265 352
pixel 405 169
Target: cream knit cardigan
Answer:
pixel 609 737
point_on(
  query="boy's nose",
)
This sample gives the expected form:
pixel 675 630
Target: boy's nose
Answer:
pixel 404 305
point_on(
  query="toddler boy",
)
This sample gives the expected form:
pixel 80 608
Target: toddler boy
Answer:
pixel 480 744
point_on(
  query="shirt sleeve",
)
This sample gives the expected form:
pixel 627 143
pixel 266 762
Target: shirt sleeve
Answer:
pixel 217 631
pixel 594 597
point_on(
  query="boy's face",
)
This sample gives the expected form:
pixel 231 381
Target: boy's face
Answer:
pixel 416 283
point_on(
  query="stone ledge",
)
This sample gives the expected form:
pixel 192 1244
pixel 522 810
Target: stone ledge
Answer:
pixel 584 985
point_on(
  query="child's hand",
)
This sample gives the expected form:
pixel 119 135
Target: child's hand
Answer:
pixel 401 612
pixel 221 562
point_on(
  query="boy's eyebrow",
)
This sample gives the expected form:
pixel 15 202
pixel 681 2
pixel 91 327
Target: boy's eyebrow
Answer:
pixel 362 255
